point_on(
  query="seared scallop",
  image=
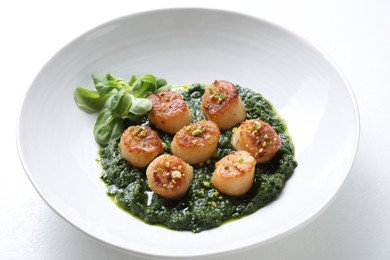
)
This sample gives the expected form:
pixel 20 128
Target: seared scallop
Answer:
pixel 234 173
pixel 222 104
pixel 169 176
pixel 197 142
pixel 169 112
pixel 139 145
pixel 258 138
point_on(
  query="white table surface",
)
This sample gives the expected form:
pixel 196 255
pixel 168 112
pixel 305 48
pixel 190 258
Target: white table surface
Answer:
pixel 356 34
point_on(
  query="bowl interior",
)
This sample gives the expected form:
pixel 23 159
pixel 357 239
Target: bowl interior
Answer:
pixel 58 150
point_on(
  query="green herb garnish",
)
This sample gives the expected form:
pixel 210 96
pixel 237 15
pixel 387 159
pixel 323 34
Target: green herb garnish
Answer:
pixel 128 100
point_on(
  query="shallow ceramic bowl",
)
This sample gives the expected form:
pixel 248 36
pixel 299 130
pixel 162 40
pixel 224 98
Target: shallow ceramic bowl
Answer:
pixel 58 151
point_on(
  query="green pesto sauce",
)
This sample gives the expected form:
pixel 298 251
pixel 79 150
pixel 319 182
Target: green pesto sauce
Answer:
pixel 203 207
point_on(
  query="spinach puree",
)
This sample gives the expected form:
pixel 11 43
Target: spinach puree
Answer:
pixel 203 207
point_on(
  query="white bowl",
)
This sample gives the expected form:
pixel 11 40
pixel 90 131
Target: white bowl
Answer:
pixel 58 151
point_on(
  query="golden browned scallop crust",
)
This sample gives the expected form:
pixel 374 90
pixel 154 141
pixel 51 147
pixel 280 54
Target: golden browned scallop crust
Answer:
pixel 169 112
pixel 197 142
pixel 258 138
pixel 139 145
pixel 234 173
pixel 222 104
pixel 169 176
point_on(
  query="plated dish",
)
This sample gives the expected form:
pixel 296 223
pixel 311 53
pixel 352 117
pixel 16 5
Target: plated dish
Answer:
pixel 189 157
pixel 189 45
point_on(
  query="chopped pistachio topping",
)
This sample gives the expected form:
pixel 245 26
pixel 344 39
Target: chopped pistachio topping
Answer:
pixel 166 164
pixel 143 133
pixel 176 174
pixel 197 132
pixel 206 183
pixel 137 129
pixel 257 125
pixel 216 94
pixel 221 98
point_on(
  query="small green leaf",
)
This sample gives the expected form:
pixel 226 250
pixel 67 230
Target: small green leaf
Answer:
pixel 89 100
pixel 120 103
pixel 144 86
pixel 129 100
pixel 107 127
pixel 136 119
pixel 132 80
pixel 166 87
pixel 161 83
pixel 140 106
pixel 105 84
